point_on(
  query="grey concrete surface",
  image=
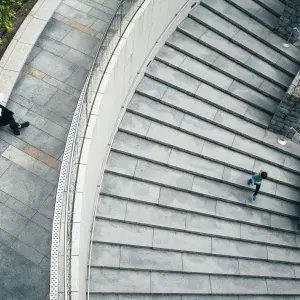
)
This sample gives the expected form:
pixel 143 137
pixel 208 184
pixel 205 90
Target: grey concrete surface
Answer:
pixel 46 95
pixel 175 216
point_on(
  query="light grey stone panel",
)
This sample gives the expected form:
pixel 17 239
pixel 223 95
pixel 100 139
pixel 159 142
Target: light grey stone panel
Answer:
pixel 283 286
pixel 238 249
pixel 128 188
pixel 121 233
pixel 212 20
pixel 155 110
pixel 207 130
pixel 292 163
pixel 152 88
pixel 153 215
pixel 190 104
pixel 164 175
pixel 283 222
pixel 265 269
pixel 110 207
pixel 175 137
pixel 272 89
pixel 135 123
pixel 119 281
pixel 171 55
pixel 105 255
pixel 236 285
pixel 186 201
pixel 210 264
pixel 179 283
pixel 150 259
pixel 121 163
pixel 127 143
pixel 288 192
pixel 172 76
pixel 182 241
pixel 286 64
pixel 56 30
pixel 243 214
pixel 266 236
pixel 193 28
pixel 214 226
pixel 149 297
pixel 195 164
pixel 51 45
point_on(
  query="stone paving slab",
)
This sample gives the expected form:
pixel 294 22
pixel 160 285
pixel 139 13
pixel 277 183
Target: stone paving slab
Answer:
pixel 276 6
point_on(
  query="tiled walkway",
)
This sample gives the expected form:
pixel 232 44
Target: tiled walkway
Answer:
pixel 46 95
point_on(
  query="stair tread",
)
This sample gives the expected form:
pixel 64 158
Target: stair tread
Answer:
pixel 276 6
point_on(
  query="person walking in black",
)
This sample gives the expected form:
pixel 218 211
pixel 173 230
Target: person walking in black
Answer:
pixel 7 118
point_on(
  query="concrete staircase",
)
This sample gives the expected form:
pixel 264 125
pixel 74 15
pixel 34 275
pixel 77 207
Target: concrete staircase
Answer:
pixel 175 218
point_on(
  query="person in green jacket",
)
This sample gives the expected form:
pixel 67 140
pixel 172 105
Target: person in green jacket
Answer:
pixel 257 179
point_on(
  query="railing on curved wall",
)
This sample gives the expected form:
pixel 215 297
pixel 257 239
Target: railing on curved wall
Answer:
pixel 62 221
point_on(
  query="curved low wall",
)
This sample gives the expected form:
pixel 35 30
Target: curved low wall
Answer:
pixel 145 35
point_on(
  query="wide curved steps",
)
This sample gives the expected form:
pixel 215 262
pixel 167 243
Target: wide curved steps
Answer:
pixel 175 218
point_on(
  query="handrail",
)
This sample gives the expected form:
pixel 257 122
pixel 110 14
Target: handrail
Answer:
pixel 71 157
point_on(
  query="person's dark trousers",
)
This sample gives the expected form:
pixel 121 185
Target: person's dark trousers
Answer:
pixel 257 189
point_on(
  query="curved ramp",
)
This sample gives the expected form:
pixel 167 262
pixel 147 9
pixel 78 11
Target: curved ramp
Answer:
pixel 175 218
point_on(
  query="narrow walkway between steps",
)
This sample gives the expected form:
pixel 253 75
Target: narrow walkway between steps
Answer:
pixel 46 95
pixel 175 218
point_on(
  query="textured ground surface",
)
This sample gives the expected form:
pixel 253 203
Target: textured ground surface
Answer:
pixel 46 95
pixel 175 218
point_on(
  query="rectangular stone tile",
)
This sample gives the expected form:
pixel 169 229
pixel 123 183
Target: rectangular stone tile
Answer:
pixel 258 116
pixel 11 221
pixel 256 149
pixel 32 190
pixel 173 77
pixel 236 285
pixel 27 251
pixel 209 264
pixel 217 97
pixel 186 201
pixel 56 130
pixel 150 259
pixel 4 165
pixel 238 249
pixel 289 177
pixel 182 241
pixel 43 157
pixel 243 214
pixel 47 208
pixel 3 250
pixel 121 233
pixel 58 84
pixel 179 283
pixel 45 265
pixel 98 5
pixel 6 238
pixel 21 100
pixel 3 197
pixel 272 89
pixel 121 163
pixel 264 235
pixel 195 164
pixel 78 78
pixel 192 28
pixel 292 163
pixel 3 146
pixel 20 207
pixel 112 208
pixel 153 215
pixel 33 53
pixel 214 226
pixel 212 20
pixel 37 237
pixel 81 41
pixel 79 58
pixel 190 104
pixel 100 26
pixel 191 47
pixel 253 96
pixel 52 45
pixel 175 137
pixel 59 68
pixel 33 72
pixel 34 89
pixel 52 176
pixel 56 30
pixel 283 222
pixel 24 160
pixel 79 26
pixel 152 87
pixel 237 71
pixel 171 56
pixel 207 130
pixel 283 254
pixel 119 281
pixel 76 15
pixel 78 5
pixel 135 123
pixel 265 269
pixel 227 156
pixel 152 172
pixel 101 15
pixel 127 143
pixel 62 104
pixel 287 192
pixel 51 116
pixel 129 188
pixel 288 65
pixel 43 221
pixel 283 286
pixel 106 255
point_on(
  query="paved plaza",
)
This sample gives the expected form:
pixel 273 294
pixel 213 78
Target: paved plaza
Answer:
pixel 46 95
